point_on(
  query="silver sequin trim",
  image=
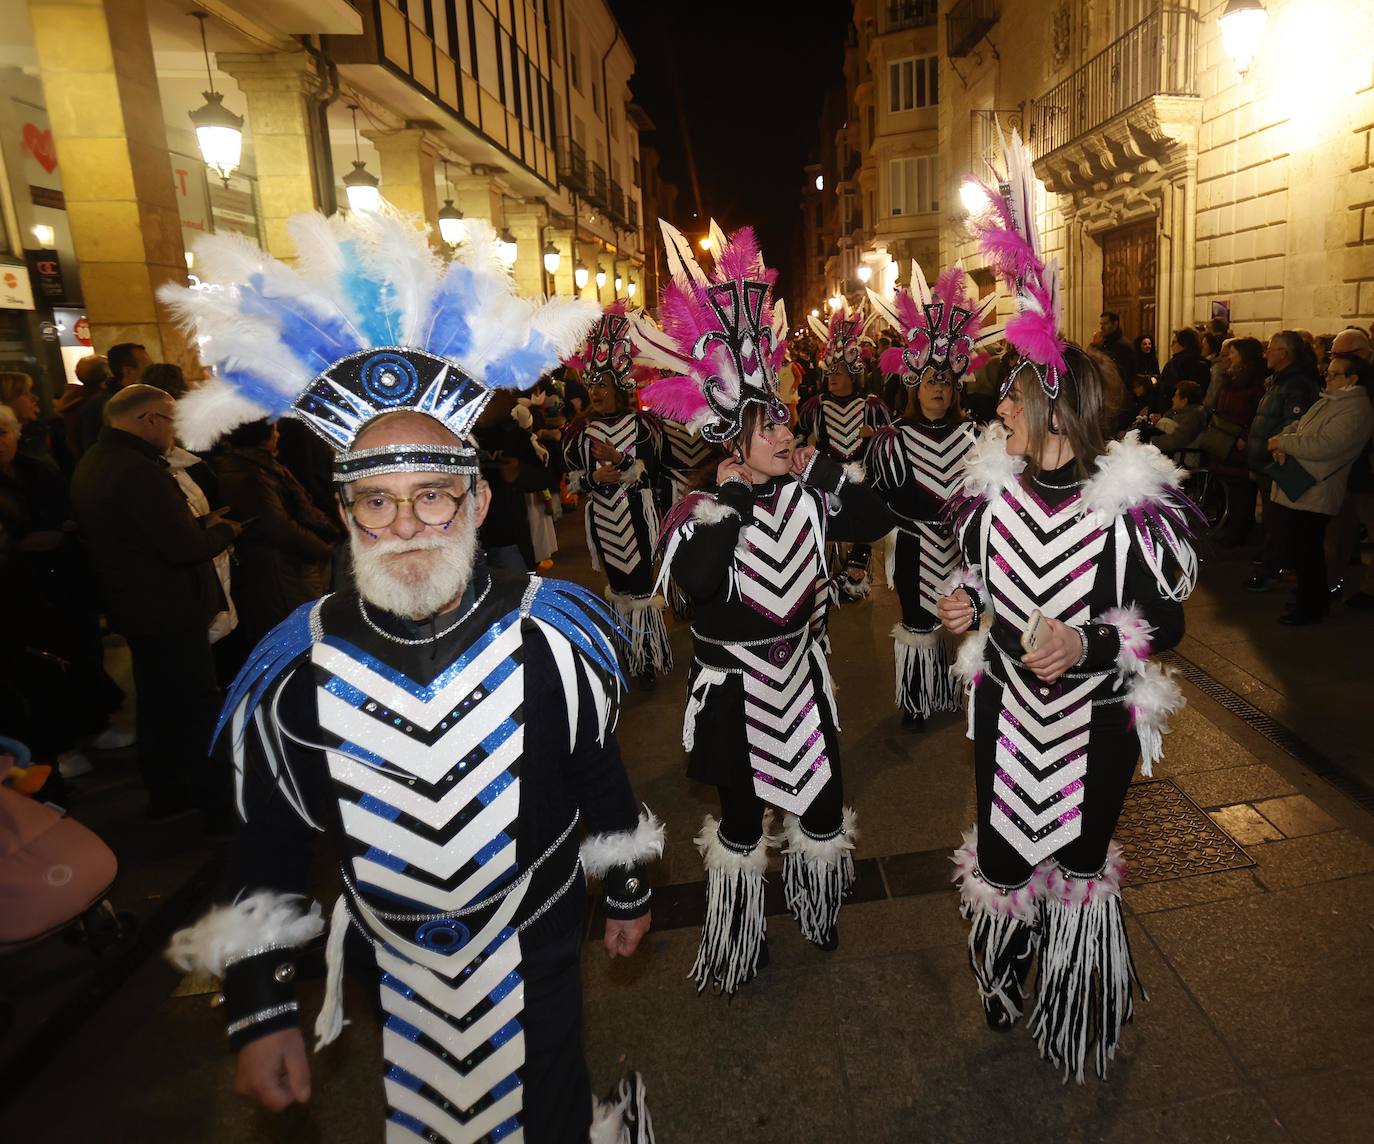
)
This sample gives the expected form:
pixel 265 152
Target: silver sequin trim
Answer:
pixel 256 951
pixel 260 1016
pixel 619 905
pixel 362 611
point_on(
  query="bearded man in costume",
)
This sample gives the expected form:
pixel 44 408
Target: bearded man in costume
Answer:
pixel 450 727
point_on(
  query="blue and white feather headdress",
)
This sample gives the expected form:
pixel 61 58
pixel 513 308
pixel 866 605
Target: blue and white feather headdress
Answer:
pixel 369 321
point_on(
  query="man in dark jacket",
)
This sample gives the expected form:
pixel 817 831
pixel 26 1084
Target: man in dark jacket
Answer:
pixel 152 559
pixel 1116 347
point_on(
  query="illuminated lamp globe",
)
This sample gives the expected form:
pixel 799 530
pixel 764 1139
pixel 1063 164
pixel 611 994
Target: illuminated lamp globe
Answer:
pixel 974 198
pixel 507 248
pixel 362 188
pixel 1242 30
pixel 219 134
pixel 552 259
pixel 581 275
pixel 865 273
pixel 632 288
pixel 600 277
pixel 453 228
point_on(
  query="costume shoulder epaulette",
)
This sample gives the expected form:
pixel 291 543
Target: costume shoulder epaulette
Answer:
pixel 268 662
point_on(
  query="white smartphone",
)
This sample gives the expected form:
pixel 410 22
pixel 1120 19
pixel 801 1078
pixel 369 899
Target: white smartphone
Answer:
pixel 1036 629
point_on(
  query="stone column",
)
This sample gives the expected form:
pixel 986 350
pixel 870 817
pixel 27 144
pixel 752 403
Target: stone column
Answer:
pixel 96 62
pixel 527 222
pixel 280 89
pixel 478 196
pixel 407 158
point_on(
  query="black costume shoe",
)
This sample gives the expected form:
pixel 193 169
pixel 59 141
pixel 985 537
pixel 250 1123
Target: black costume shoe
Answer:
pixel 830 943
pixel 648 681
pixel 914 723
pixel 998 1016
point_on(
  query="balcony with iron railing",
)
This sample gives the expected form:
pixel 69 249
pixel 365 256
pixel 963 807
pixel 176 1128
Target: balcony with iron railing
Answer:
pixel 902 14
pixel 572 164
pixel 1153 61
pixel 615 206
pixel 967 22
pixel 596 184
pixel 631 214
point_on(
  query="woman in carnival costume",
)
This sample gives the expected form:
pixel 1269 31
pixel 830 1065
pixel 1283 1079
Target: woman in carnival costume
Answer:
pixel 615 455
pixel 917 464
pixel 750 552
pixel 841 420
pixel 449 726
pixel 1076 563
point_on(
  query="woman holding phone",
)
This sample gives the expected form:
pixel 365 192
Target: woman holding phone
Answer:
pixel 1076 563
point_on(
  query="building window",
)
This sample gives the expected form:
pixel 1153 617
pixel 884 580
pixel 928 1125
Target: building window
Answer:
pixel 915 185
pixel 820 245
pixel 913 83
pixel 596 99
pixel 574 53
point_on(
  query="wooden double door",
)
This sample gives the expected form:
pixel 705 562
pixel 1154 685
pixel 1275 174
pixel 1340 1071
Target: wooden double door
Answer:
pixel 1130 258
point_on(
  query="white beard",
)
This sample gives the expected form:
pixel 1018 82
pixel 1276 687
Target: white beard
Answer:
pixel 412 593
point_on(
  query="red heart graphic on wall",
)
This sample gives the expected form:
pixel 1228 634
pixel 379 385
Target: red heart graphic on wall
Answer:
pixel 39 144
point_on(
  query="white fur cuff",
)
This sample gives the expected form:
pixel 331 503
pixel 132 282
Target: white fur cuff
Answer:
pixel 1135 638
pixel 716 855
pixel 604 852
pixel 854 473
pixel 712 512
pixel 825 850
pixel 634 473
pixel 921 641
pixel 230 933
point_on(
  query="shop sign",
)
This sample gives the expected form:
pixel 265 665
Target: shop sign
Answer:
pixel 82 330
pixel 45 269
pixel 16 293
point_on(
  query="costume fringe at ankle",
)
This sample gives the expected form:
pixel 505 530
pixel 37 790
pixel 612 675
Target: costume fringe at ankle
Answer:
pixel 1087 978
pixel 734 929
pixel 623 1117
pixel 646 635
pixel 925 683
pixel 817 873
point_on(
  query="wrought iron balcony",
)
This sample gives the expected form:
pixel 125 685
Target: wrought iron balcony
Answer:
pixel 572 164
pixel 632 214
pixel 1157 58
pixel 902 14
pixel 967 22
pixel 615 207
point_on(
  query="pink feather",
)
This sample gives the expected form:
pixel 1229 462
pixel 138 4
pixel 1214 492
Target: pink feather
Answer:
pixel 675 399
pixel 891 361
pixel 905 307
pixel 949 287
pixel 1035 337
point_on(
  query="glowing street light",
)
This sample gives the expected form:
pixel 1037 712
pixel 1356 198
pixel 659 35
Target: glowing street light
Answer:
pixel 1242 29
pixel 865 272
pixel 836 302
pixel 619 282
pixel 507 249
pixel 820 182
pixel 360 184
pixel 704 242
pixel 600 276
pixel 452 226
pixel 552 258
pixel 581 274
pixel 632 288
pixel 974 198
pixel 219 132
pixel 815 313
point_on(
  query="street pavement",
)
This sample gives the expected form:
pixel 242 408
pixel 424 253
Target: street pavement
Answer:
pixel 1250 909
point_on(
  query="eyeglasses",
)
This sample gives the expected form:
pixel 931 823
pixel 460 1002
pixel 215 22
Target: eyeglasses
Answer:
pixel 436 507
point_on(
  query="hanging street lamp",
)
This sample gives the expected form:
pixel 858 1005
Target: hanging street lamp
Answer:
pixel 1242 30
pixel 361 185
pixel 452 227
pixel 219 132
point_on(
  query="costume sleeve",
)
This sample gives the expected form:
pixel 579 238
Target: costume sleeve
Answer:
pixel 254 937
pixel 1147 622
pixel 700 537
pixel 577 458
pixel 886 461
pixel 876 412
pixel 857 512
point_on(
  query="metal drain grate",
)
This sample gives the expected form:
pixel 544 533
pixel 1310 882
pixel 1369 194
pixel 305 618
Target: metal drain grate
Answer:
pixel 1265 724
pixel 1166 835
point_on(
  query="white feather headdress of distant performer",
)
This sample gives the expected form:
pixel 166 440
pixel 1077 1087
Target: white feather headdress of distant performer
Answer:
pixel 369 321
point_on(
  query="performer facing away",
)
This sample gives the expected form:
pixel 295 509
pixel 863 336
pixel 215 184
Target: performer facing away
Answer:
pixel 1076 565
pixel 614 455
pixel 841 419
pixel 749 551
pixel 451 728
pixel 916 465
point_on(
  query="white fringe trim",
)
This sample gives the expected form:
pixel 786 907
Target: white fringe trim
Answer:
pixel 734 928
pixel 1153 697
pixel 706 679
pixel 1087 978
pixel 604 852
pixel 817 874
pixel 646 633
pixel 228 933
pixel 623 1117
pixel 925 679
pixel 330 1022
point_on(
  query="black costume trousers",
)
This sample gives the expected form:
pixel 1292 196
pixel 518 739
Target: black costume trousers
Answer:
pixel 558 1108
pixel 907 574
pixel 178 702
pixel 741 810
pixel 1113 748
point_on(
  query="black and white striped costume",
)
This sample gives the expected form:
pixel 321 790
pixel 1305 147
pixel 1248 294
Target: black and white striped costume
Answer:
pixel 469 776
pixel 1110 557
pixel 760 722
pixel 687 450
pixel 916 465
pixel 622 526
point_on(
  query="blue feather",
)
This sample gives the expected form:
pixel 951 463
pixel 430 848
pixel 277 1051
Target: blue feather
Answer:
pixel 370 297
pixel 586 622
pixel 260 392
pixel 316 342
pixel 450 333
pixel 264 666
pixel 521 368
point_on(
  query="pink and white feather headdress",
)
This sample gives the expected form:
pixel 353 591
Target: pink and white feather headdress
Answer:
pixel 722 337
pixel 942 328
pixel 844 338
pixel 609 353
pixel 1007 235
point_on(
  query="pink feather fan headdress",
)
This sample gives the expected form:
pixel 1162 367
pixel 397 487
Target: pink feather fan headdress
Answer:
pixel 609 354
pixel 844 338
pixel 942 328
pixel 722 338
pixel 1006 232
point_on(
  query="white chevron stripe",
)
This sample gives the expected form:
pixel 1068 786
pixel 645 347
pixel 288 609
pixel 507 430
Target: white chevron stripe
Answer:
pixel 421 712
pixel 1039 546
pixel 449 964
pixel 442 860
pixel 1030 818
pixel 1045 758
pixel 1042 789
pixel 1035 852
pixel 1043 708
pixel 471 989
pixel 456 1042
pixel 464 894
pixel 509 1057
pixel 432 812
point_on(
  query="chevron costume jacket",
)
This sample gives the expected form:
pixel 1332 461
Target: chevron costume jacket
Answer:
pixel 835 424
pixel 760 708
pixel 469 776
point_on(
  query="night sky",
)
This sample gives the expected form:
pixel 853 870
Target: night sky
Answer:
pixel 736 89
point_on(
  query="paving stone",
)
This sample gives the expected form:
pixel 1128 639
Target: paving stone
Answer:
pixel 1283 976
pixel 1245 824
pixel 1178 892
pixel 1235 784
pixel 1325 1108
pixel 1195 743
pixel 1242 1116
pixel 1315 858
pixel 1296 815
